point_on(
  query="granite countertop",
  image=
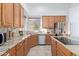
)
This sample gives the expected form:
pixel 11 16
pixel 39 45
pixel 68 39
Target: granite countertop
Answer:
pixel 11 43
pixel 73 48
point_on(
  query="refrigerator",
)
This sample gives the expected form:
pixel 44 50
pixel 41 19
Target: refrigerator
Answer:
pixel 59 28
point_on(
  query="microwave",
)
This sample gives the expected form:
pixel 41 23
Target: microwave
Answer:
pixel 2 38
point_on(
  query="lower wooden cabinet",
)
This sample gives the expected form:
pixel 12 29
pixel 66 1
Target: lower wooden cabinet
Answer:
pixel 59 49
pixel 34 40
pixel 47 39
pixel 26 48
pixel 63 51
pixel 53 47
pixel 20 49
pixel 12 51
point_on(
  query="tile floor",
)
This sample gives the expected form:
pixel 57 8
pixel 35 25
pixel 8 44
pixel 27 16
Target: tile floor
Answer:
pixel 40 50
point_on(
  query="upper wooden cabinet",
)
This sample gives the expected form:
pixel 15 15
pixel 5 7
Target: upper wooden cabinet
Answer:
pixel 57 19
pixel 51 22
pixel 63 18
pixel 0 15
pixel 21 16
pixel 16 15
pixel 45 21
pixel 11 15
pixel 48 21
pixel 7 15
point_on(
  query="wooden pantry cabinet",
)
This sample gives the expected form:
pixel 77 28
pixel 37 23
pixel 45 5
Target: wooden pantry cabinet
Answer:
pixel 7 14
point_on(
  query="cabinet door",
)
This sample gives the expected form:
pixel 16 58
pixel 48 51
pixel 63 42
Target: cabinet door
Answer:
pixel 16 15
pixel 34 40
pixel 0 14
pixel 20 49
pixel 26 47
pixel 51 22
pixel 48 39
pixel 64 50
pixel 22 16
pixel 53 47
pixel 45 21
pixel 57 19
pixel 12 51
pixel 63 18
pixel 7 14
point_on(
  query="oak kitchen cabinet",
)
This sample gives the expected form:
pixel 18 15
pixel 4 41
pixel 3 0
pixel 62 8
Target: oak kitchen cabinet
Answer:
pixel 20 48
pixel 11 15
pixel 12 51
pixel 34 40
pixel 62 51
pixel 0 15
pixel 21 16
pixel 63 19
pixel 53 47
pixel 48 21
pixel 47 39
pixel 58 48
pixel 57 19
pixel 16 15
pixel 26 48
pixel 45 21
pixel 51 22
pixel 7 14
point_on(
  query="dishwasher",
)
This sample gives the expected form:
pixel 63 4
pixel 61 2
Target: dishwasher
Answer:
pixel 41 39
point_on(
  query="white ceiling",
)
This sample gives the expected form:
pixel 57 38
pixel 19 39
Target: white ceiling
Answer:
pixel 40 9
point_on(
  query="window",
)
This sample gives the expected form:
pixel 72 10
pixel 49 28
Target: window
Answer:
pixel 34 24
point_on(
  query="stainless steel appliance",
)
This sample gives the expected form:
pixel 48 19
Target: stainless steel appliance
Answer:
pixel 2 38
pixel 41 39
pixel 59 28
